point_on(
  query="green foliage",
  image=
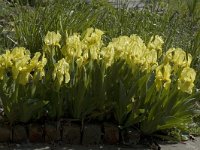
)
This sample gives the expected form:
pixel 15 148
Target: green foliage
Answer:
pixel 31 25
pixel 21 103
pixel 177 27
pixel 123 90
pixel 87 95
pixel 6 33
pixel 175 110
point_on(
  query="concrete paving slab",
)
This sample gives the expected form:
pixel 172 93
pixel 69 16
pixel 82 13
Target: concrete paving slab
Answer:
pixel 188 145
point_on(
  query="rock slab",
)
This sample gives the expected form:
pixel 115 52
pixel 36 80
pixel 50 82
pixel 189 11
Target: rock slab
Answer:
pixel 91 134
pixel 71 133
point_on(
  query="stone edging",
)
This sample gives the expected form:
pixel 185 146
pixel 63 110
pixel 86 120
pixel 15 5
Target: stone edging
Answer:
pixel 68 132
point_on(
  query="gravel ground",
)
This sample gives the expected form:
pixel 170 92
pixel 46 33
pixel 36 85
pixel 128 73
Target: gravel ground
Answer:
pixel 188 145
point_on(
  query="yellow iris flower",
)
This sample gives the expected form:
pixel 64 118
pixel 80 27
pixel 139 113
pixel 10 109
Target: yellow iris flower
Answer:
pixel 38 66
pixel 20 65
pixel 7 59
pixel 19 52
pixel 92 41
pixel 163 73
pixel 107 55
pixel 5 62
pixel 2 73
pixel 34 60
pixel 18 60
pixel 23 68
pixel 24 77
pixel 79 61
pixel 150 62
pixel 178 57
pixel 133 50
pixel 93 36
pixel 41 65
pixel 61 71
pixel 186 79
pixel 73 47
pixel 130 49
pixel 120 45
pixel 52 39
pixel 156 43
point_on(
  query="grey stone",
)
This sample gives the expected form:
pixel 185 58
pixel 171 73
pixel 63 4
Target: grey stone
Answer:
pixel 52 132
pixel 91 134
pixel 36 133
pixel 71 133
pixel 5 133
pixel 111 134
pixel 19 134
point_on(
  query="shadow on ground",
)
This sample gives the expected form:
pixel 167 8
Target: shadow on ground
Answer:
pixel 188 145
